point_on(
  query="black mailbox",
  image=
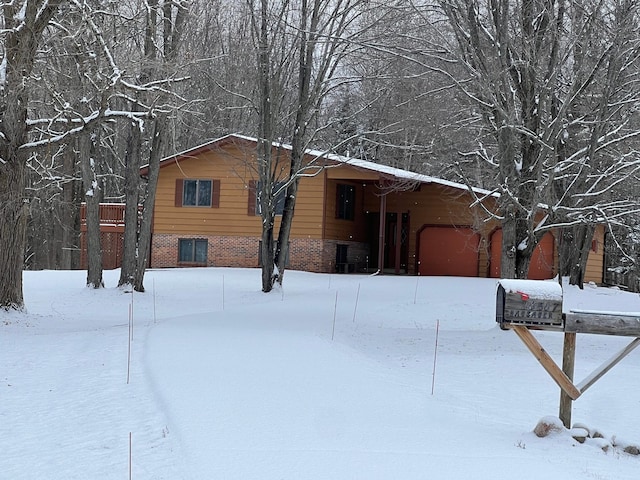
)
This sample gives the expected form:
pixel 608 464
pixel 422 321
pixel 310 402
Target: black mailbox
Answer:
pixel 530 303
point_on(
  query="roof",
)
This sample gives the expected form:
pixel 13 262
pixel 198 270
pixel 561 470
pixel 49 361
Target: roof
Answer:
pixel 355 162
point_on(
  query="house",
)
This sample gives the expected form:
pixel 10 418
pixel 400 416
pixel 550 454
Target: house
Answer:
pixel 111 234
pixel 351 216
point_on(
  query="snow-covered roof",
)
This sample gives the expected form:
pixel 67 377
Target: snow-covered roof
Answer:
pixel 355 162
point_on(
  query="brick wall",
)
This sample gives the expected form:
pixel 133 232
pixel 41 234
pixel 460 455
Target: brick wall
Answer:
pixel 311 255
pixel 357 254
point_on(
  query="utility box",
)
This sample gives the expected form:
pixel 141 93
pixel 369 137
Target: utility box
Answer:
pixel 529 303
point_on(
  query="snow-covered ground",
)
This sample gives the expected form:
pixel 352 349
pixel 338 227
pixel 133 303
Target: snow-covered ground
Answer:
pixel 225 382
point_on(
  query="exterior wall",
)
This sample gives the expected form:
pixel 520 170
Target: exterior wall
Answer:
pixel 357 255
pixel 231 167
pixel 434 205
pixel 594 271
pixel 312 255
pixel 340 229
pixel 233 232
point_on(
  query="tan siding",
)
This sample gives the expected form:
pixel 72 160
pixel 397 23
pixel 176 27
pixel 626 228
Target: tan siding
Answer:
pixel 434 204
pixel 595 263
pixel 340 229
pixel 347 172
pixel 230 218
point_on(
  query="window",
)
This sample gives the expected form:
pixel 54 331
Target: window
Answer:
pixel 345 201
pixel 197 193
pixel 279 198
pixel 192 250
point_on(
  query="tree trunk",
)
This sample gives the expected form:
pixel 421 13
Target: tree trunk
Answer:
pixel 282 247
pixel 144 239
pixel 132 184
pixel 523 255
pixel 582 237
pixel 13 225
pixel 565 251
pixel 22 34
pixel 509 244
pixel 69 214
pixel 265 146
pixel 268 261
pixel 92 188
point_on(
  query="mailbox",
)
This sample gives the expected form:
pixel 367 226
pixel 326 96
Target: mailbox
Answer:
pixel 530 303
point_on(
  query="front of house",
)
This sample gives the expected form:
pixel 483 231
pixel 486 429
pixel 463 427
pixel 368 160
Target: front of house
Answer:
pixel 350 216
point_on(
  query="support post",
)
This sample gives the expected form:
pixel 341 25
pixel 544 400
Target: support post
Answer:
pixel 608 365
pixel 568 364
pixel 398 241
pixel 383 226
pixel 546 361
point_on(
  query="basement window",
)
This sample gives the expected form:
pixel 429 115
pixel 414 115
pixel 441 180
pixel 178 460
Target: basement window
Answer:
pixel 192 251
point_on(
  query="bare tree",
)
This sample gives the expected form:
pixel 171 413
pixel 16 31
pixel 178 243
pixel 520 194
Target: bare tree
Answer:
pixel 518 58
pixel 21 34
pixel 27 127
pixel 597 150
pixel 164 22
pixel 299 50
pixel 93 195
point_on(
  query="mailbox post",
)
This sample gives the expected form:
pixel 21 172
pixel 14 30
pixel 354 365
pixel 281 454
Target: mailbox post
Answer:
pixel 524 305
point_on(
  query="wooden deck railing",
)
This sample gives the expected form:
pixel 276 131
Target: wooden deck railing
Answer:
pixel 110 214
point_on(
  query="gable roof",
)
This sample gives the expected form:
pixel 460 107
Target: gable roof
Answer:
pixel 385 170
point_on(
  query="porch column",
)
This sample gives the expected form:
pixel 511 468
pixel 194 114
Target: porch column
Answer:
pixel 398 241
pixel 383 218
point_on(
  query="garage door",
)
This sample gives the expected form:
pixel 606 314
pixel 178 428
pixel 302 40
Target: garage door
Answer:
pixel 541 267
pixel 448 251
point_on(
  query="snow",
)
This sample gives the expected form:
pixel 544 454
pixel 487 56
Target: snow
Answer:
pixel 3 72
pixel 20 15
pixel 546 289
pixel 376 167
pixel 226 382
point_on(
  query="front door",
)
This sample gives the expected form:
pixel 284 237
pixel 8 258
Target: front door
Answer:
pixel 396 252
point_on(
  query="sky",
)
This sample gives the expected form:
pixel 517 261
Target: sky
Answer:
pixel 203 376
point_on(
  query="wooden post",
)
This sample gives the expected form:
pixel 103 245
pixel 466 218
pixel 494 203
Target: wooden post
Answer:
pixel 546 361
pixel 381 233
pixel 568 364
pixel 398 241
pixel 608 365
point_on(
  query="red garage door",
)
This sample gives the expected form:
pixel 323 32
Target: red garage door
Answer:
pixel 448 251
pixel 541 267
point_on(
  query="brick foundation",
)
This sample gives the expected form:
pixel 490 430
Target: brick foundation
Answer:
pixel 311 255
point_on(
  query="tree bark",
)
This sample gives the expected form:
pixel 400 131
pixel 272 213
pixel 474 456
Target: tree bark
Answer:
pixel 132 185
pixel 509 244
pixel 265 146
pixel 23 33
pixel 13 224
pixel 69 210
pixel 583 236
pixel 282 246
pixel 144 239
pixel 93 189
